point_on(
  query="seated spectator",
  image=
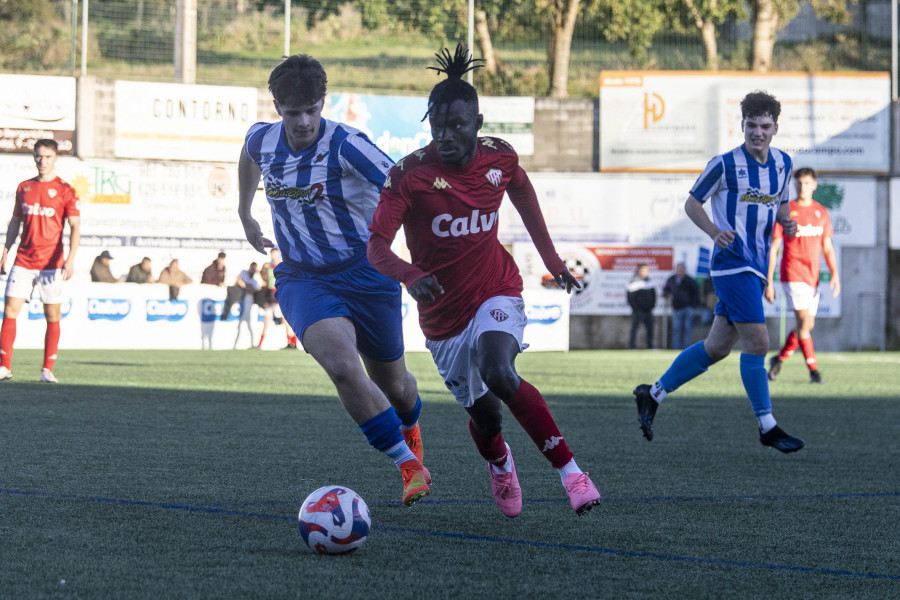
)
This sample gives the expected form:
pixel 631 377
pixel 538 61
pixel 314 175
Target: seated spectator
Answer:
pixel 100 271
pixel 174 278
pixel 140 273
pixel 214 274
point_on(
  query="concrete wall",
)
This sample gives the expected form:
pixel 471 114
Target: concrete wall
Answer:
pixel 566 140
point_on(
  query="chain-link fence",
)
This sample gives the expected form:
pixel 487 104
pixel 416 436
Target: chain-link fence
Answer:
pixel 384 45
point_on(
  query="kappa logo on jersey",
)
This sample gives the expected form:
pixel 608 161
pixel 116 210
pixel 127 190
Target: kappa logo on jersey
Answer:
pixel 488 142
pixel 166 310
pixel 476 223
pixel 399 163
pixel 499 315
pixel 420 154
pixel 495 176
pixel 38 210
pixel 387 182
pixel 440 184
pixel 552 443
pixel 757 197
pixel 110 309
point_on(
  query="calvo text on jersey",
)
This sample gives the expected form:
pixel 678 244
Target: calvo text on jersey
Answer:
pixel 445 225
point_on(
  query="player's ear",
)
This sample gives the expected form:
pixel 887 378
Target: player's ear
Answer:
pixel 479 122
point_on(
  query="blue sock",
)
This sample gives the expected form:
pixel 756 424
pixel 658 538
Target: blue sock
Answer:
pixel 383 430
pixel 692 361
pixel 409 419
pixel 756 382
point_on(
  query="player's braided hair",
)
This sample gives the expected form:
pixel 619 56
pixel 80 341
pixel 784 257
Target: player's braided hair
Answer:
pixel 454 87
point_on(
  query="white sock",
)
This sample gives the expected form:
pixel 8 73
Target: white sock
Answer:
pixel 400 453
pixel 570 468
pixel 658 393
pixel 766 422
pixel 504 466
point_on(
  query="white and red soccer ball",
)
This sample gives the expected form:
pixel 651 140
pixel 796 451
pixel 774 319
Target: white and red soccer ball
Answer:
pixel 334 520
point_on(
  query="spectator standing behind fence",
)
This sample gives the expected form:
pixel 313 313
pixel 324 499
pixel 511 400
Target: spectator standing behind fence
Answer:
pixel 684 294
pixel 174 278
pixel 140 273
pixel 42 207
pixel 214 274
pixel 101 271
pixel 248 282
pixel 641 298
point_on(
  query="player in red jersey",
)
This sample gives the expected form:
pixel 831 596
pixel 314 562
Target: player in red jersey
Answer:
pixel 43 206
pixel 469 291
pixel 800 271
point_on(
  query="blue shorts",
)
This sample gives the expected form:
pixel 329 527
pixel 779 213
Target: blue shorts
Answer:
pixel 740 297
pixel 358 292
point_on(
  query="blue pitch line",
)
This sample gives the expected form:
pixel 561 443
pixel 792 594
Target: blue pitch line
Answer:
pixel 200 508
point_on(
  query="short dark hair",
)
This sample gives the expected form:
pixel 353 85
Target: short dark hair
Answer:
pixel 299 79
pixel 804 172
pixel 146 258
pixel 221 255
pixel 47 143
pixel 759 103
pixel 453 88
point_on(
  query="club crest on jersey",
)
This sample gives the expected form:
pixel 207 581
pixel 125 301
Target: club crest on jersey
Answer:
pixel 440 184
pixel 494 176
pixel 51 192
pixel 321 156
pixel 499 315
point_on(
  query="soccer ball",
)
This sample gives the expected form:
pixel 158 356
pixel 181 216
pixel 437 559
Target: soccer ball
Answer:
pixel 334 520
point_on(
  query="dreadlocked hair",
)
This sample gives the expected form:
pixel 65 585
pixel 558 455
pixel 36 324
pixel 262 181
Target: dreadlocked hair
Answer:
pixel 453 88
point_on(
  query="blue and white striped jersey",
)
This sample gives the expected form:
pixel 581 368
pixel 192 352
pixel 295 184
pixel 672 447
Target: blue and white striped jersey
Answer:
pixel 745 197
pixel 322 197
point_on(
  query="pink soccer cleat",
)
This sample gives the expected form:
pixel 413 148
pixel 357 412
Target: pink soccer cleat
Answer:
pixel 581 492
pixel 506 490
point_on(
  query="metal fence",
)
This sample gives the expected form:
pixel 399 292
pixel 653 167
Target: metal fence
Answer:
pixel 383 46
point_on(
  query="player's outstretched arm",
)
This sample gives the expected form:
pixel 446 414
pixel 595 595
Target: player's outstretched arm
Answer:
pixel 248 182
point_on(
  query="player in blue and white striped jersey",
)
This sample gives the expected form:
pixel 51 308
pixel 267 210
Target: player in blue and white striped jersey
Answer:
pixel 322 180
pixel 748 193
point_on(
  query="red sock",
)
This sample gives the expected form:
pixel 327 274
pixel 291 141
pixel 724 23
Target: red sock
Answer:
pixel 292 340
pixel 531 411
pixel 51 344
pixel 7 337
pixel 806 345
pixel 491 449
pixel 790 346
pixel 261 338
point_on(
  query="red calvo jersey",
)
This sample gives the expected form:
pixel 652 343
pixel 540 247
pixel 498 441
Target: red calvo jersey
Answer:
pixel 43 208
pixel 800 258
pixel 449 214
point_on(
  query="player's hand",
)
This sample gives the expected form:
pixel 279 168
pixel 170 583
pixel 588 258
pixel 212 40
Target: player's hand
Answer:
pixel 724 239
pixel 566 281
pixel 68 270
pixel 835 286
pixel 790 228
pixel 426 290
pixel 770 292
pixel 255 235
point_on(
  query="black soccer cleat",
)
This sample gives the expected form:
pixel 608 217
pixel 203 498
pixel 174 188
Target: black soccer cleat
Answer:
pixel 774 367
pixel 816 377
pixel 646 407
pixel 781 440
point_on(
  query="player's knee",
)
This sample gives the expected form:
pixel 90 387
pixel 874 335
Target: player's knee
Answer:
pixel 501 379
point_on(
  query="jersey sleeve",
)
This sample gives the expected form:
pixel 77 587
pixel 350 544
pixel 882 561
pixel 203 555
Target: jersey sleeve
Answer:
pixel 777 231
pixel 72 203
pixel 386 222
pixel 17 206
pixel 253 141
pixel 827 230
pixel 709 181
pixel 361 156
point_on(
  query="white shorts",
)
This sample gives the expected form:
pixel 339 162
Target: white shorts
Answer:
pixel 49 282
pixel 801 296
pixel 455 357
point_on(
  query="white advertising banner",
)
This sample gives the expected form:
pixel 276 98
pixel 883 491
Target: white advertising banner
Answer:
pixel 33 107
pixel 176 121
pixel 662 121
pixel 510 118
pixel 604 224
pixel 894 210
pixel 141 316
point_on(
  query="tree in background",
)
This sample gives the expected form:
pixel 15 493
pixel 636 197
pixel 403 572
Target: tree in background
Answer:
pixel 706 16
